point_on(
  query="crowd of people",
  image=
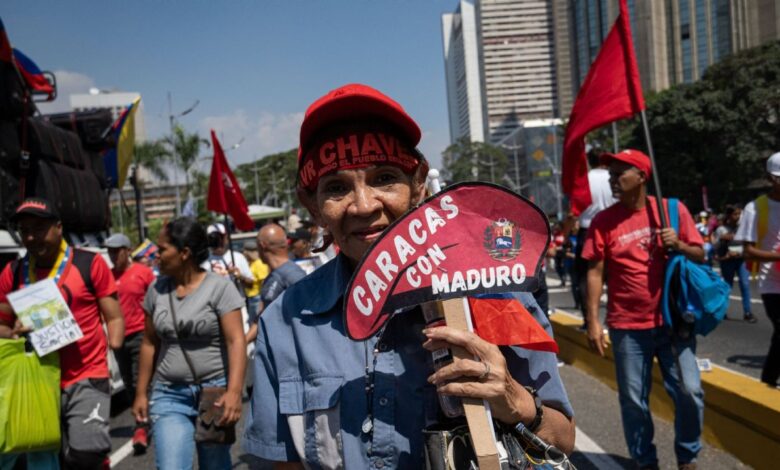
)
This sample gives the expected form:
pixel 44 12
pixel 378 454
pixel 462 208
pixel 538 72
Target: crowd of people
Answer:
pixel 196 325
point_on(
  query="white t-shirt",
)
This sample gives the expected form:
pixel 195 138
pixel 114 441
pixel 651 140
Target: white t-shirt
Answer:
pixel 600 193
pixel 768 274
pixel 220 263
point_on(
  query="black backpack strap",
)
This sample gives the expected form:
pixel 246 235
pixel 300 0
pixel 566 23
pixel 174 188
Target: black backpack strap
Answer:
pixel 82 260
pixel 16 270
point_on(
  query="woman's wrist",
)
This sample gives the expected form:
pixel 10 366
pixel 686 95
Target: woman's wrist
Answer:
pixel 522 405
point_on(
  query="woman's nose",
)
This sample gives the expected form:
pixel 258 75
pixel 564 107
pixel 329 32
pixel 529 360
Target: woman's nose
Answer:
pixel 365 202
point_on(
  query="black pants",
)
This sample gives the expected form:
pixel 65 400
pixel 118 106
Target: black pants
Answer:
pixel 541 295
pixel 580 276
pixel 771 372
pixel 127 358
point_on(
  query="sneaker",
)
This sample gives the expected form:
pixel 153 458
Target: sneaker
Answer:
pixel 106 464
pixel 140 440
pixel 750 318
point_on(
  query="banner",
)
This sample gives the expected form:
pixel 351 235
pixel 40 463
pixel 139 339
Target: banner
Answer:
pixel 471 238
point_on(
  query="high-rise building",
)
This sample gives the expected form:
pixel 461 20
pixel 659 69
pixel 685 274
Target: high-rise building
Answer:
pixel 675 40
pixel 500 66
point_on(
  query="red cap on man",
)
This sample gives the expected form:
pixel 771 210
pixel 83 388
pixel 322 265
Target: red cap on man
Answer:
pixel 632 157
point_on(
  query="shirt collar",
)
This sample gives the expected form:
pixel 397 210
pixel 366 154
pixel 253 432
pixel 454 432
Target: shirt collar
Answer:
pixel 323 290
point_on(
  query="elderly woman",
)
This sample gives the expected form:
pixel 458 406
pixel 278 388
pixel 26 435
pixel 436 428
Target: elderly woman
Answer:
pixel 193 344
pixel 323 400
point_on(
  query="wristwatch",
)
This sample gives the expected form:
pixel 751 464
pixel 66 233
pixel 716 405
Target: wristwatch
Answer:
pixel 534 425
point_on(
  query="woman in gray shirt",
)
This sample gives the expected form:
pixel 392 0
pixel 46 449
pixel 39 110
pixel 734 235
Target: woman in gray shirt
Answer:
pixel 194 330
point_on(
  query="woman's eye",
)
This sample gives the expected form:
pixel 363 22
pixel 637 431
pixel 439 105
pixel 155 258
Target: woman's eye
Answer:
pixel 334 188
pixel 386 178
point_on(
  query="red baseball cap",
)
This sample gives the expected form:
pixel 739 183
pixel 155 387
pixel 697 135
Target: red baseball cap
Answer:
pixel 632 157
pixel 355 101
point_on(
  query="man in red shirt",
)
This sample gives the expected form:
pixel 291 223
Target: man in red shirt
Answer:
pixel 132 281
pixel 627 245
pixel 88 287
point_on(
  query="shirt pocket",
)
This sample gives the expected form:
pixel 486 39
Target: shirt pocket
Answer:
pixel 312 407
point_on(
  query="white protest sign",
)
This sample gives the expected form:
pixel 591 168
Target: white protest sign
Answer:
pixel 41 307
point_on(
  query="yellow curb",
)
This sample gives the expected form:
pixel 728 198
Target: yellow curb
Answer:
pixel 741 414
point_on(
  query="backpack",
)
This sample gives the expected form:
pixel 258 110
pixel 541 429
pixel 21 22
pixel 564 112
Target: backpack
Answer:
pixel 82 261
pixel 695 298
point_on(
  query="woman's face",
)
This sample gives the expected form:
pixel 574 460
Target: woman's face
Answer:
pixel 356 206
pixel 170 258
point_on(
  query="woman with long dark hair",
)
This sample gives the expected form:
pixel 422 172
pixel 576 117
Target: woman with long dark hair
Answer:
pixel 193 351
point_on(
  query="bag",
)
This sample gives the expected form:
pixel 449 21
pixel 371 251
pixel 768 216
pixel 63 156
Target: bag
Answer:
pixel 206 429
pixel 449 447
pixel 695 298
pixel 29 399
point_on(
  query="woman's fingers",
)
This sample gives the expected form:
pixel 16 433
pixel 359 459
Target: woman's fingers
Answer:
pixel 465 339
pixel 462 368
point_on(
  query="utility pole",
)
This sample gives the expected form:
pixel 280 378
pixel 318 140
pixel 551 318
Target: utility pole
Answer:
pixel 257 185
pixel 171 121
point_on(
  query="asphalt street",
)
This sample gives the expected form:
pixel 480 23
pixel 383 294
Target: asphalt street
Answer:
pixel 599 443
pixel 734 344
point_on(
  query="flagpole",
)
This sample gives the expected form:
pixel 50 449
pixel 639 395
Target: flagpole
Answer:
pixel 656 179
pixel 615 141
pixel 230 242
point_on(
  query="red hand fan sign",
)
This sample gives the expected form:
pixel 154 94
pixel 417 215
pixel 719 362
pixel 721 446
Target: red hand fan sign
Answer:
pixel 471 238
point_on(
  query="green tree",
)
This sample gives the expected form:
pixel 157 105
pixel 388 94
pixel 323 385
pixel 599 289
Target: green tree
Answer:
pixel 717 132
pixel 474 161
pixel 276 177
pixel 152 156
pixel 187 151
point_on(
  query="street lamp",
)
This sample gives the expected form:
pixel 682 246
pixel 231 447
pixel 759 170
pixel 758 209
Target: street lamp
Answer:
pixel 171 119
pixel 514 149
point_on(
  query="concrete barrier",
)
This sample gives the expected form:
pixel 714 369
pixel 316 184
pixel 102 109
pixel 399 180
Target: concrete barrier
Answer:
pixel 741 414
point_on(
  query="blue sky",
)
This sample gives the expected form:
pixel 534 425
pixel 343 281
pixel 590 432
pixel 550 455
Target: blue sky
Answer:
pixel 254 65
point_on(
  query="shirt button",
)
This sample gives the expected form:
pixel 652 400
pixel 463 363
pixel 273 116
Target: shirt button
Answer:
pixel 383 401
pixel 383 347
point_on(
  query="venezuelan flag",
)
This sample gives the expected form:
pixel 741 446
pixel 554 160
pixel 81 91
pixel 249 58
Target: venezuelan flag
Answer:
pixel 32 74
pixel 117 160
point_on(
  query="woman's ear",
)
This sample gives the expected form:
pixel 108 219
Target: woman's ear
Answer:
pixel 186 254
pixel 418 183
pixel 309 201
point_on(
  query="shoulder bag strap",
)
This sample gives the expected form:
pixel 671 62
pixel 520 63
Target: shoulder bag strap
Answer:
pixel 176 330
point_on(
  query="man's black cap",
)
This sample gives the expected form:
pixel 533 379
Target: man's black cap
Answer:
pixel 300 234
pixel 36 207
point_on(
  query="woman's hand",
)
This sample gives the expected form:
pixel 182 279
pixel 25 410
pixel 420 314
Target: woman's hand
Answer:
pixel 487 378
pixel 230 403
pixel 141 408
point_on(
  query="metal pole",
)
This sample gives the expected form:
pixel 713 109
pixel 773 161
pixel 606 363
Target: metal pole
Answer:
pixel 517 168
pixel 615 138
pixel 257 185
pixel 556 173
pixel 121 217
pixel 656 179
pixel 492 171
pixel 174 157
pixel 139 207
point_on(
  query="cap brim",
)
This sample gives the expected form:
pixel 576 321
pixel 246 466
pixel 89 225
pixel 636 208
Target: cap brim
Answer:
pixel 40 215
pixel 358 106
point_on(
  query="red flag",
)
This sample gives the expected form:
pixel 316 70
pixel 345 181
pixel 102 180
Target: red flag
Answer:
pixel 611 91
pixel 6 54
pixel 224 193
pixel 506 322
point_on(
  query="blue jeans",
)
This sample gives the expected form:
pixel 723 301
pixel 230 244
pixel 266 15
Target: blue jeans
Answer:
pixel 634 352
pixel 173 409
pixel 252 308
pixel 737 266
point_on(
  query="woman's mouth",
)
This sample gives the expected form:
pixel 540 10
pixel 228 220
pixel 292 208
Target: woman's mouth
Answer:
pixel 369 234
